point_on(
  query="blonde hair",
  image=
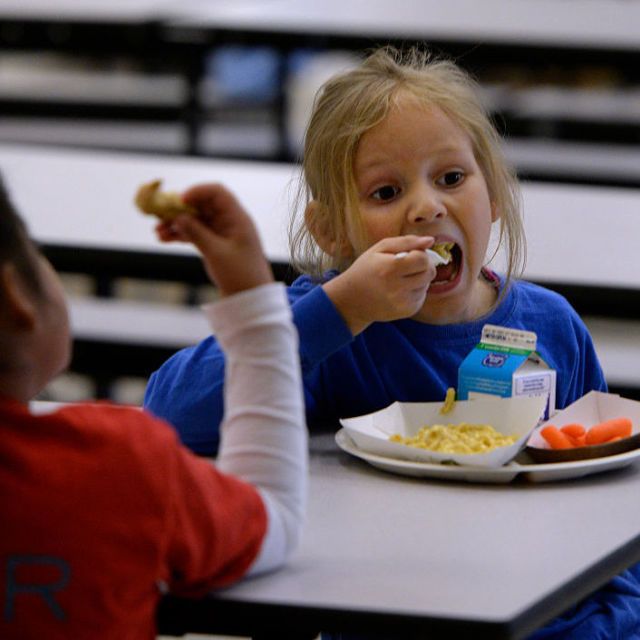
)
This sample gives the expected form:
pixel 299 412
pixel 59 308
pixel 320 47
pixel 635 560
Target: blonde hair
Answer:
pixel 349 105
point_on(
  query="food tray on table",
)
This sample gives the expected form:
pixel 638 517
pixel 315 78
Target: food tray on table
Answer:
pixel 367 437
pixel 531 472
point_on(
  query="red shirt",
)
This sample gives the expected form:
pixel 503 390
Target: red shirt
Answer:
pixel 101 510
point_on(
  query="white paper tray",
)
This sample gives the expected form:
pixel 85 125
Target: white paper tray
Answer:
pixel 510 416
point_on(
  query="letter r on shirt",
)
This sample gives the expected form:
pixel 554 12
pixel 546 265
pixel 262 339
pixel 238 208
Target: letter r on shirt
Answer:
pixel 45 590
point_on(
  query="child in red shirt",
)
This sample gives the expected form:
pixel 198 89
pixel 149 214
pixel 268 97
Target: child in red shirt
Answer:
pixel 102 509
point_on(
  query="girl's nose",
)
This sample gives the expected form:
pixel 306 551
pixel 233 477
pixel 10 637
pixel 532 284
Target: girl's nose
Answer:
pixel 426 206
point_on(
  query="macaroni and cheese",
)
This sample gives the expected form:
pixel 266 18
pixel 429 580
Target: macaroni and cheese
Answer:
pixel 456 438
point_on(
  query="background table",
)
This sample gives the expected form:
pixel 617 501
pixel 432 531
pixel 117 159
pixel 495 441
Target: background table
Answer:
pixel 537 35
pixel 577 93
pixel 582 242
pixel 593 24
pixel 79 206
pixel 477 561
pixel 83 200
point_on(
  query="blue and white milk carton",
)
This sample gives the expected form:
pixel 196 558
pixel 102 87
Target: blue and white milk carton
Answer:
pixel 505 363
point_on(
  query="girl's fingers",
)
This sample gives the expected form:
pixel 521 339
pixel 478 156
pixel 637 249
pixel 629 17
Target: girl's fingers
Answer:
pixel 404 244
pixel 166 232
pixel 417 264
pixel 213 199
pixel 193 230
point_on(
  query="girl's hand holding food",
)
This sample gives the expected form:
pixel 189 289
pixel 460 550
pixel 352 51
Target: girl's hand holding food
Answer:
pixel 379 286
pixel 224 234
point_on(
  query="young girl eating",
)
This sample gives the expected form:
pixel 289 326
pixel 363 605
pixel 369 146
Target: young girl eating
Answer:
pixel 399 156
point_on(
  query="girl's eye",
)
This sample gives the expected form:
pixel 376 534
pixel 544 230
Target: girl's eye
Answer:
pixel 386 193
pixel 451 178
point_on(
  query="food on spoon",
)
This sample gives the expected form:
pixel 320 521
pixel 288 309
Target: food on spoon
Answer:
pixel 166 205
pixel 443 249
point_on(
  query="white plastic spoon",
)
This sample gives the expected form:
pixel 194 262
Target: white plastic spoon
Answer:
pixel 436 258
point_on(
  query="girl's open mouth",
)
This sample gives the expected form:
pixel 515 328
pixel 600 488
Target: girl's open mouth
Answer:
pixel 447 274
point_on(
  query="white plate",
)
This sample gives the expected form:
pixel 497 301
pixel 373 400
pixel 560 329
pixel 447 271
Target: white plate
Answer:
pixel 505 474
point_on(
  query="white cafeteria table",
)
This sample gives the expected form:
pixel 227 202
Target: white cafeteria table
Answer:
pixel 79 206
pixel 413 558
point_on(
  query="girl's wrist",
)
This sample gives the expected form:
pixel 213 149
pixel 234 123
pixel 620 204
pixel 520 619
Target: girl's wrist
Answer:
pixel 343 300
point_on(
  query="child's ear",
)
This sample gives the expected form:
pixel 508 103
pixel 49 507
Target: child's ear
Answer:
pixel 495 212
pixel 323 234
pixel 18 301
pixel 319 228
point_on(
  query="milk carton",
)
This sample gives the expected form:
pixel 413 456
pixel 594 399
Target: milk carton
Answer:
pixel 505 363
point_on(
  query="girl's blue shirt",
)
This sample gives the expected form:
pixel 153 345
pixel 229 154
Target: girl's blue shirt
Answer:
pixel 403 360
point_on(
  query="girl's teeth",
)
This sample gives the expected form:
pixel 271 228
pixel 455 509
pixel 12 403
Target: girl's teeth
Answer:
pixel 453 273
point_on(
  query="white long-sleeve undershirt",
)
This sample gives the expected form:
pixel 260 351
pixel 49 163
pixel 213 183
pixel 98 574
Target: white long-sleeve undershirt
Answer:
pixel 263 436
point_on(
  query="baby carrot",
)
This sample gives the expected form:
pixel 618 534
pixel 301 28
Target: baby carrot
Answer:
pixel 555 438
pixel 605 431
pixel 576 433
pixel 574 430
pixel 579 441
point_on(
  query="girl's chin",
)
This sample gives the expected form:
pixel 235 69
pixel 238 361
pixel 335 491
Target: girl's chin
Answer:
pixel 458 303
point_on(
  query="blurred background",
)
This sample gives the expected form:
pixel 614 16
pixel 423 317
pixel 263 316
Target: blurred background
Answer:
pixel 214 78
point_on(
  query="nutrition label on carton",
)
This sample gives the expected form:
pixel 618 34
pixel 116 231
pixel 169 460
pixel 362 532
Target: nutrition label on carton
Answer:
pixel 532 386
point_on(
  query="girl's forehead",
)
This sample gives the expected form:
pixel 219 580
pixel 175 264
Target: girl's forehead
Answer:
pixel 408 107
pixel 411 125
